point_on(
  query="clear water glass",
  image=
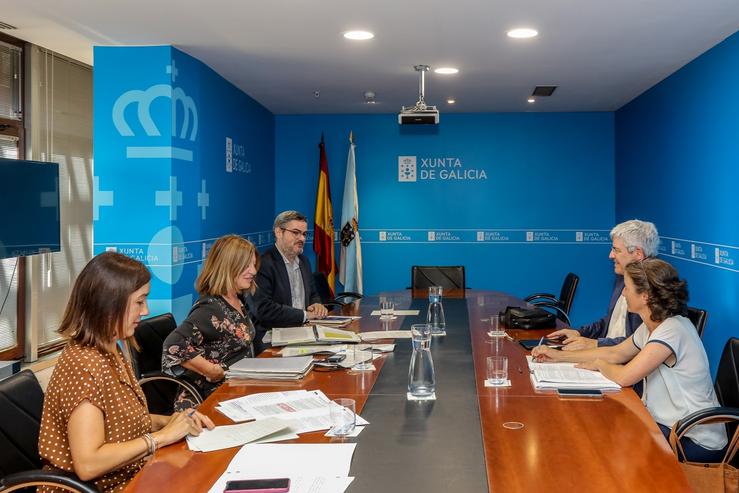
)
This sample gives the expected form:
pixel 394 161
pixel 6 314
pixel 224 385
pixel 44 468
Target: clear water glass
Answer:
pixel 343 417
pixel 362 354
pixel 387 310
pixel 496 329
pixel 497 369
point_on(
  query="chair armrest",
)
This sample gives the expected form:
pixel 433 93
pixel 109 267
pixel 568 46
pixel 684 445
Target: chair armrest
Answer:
pixel 159 376
pixel 561 314
pixel 333 304
pixel 38 477
pixel 712 414
pixel 546 296
pixel 349 294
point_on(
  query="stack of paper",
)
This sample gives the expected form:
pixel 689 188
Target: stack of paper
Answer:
pixel 303 411
pixel 312 468
pixel 291 351
pixel 228 436
pixel 566 376
pixel 334 321
pixel 271 368
pixel 406 313
pixel 385 334
pixel 282 336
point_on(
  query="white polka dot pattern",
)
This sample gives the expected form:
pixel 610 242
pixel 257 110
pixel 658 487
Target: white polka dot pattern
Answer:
pixel 84 373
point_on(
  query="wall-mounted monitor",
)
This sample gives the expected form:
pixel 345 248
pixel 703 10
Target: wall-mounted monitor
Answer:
pixel 29 208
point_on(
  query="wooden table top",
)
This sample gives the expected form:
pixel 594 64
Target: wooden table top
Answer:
pixel 568 445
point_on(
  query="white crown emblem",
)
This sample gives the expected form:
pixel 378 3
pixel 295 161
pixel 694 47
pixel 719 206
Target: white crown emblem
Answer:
pixel 143 100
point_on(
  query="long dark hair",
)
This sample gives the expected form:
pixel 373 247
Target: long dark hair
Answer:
pixel 667 294
pixel 97 305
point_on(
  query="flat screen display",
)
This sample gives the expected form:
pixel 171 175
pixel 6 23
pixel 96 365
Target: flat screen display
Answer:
pixel 29 208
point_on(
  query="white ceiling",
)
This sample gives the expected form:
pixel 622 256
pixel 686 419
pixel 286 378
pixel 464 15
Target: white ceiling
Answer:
pixel 601 53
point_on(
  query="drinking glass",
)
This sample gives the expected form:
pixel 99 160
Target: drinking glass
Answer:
pixel 387 310
pixel 497 369
pixel 495 328
pixel 343 417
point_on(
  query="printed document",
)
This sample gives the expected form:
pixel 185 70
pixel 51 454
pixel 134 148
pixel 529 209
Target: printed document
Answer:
pixel 229 436
pixel 312 468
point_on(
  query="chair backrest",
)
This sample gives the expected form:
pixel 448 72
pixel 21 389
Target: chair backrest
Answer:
pixel 324 291
pixel 446 276
pixel 698 317
pixel 150 335
pixel 21 404
pixel 727 376
pixel 567 294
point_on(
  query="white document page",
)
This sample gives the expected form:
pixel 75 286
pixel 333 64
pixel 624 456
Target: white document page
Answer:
pixel 385 334
pixel 292 335
pixel 312 468
pixel 292 351
pixel 302 411
pixel 565 375
pixel 238 409
pixel 407 313
pixel 333 334
pixel 228 436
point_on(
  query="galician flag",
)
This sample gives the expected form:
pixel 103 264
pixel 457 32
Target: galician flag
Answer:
pixel 350 270
pixel 323 237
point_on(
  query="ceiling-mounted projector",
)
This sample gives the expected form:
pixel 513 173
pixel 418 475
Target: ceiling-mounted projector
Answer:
pixel 421 113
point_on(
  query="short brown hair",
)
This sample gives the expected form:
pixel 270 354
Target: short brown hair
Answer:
pixel 97 305
pixel 227 258
pixel 667 294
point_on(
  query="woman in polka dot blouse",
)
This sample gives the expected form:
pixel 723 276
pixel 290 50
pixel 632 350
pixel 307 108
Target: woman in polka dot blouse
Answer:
pixel 218 329
pixel 95 421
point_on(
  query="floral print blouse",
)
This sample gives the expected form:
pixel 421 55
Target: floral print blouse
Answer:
pixel 214 330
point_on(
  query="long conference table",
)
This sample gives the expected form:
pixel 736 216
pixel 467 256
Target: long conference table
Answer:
pixel 468 439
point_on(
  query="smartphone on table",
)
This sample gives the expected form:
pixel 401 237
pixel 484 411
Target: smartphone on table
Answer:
pixel 274 485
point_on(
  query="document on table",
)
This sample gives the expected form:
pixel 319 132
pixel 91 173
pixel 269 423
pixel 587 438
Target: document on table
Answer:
pixel 301 410
pixel 228 436
pixel 312 468
pixel 408 313
pixel 291 351
pixel 566 376
pixel 385 334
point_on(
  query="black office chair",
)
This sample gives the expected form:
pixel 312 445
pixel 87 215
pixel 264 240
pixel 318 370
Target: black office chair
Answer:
pixel 698 317
pixel 324 291
pixel 160 389
pixel 561 305
pixel 727 392
pixel 446 276
pixel 21 405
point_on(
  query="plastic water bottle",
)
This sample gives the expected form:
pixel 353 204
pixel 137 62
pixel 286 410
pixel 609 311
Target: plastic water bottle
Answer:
pixel 435 314
pixel 421 378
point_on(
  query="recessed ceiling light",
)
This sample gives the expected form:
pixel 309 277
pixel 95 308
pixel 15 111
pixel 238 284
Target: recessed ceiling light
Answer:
pixel 531 100
pixel 358 35
pixel 446 70
pixel 522 33
pixel 451 101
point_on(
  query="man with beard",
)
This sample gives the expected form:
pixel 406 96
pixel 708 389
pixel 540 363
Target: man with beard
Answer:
pixel 286 295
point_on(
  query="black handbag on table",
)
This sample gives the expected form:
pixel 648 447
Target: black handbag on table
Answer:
pixel 515 317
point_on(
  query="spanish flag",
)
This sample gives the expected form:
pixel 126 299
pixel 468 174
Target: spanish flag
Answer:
pixel 323 237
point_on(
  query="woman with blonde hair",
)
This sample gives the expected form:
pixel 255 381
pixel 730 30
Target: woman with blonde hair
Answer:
pixel 95 421
pixel 218 329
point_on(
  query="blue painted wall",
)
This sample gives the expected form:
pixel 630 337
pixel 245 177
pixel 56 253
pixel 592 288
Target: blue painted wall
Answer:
pixel 677 161
pixel 537 201
pixel 181 158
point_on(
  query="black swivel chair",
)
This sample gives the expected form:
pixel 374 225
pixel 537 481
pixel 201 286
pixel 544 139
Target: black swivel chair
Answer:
pixel 160 389
pixel 698 317
pixel 727 392
pixel 324 291
pixel 21 404
pixel 561 305
pixel 446 276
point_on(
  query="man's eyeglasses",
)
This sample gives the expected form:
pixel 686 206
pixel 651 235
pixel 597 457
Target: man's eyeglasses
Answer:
pixel 296 232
